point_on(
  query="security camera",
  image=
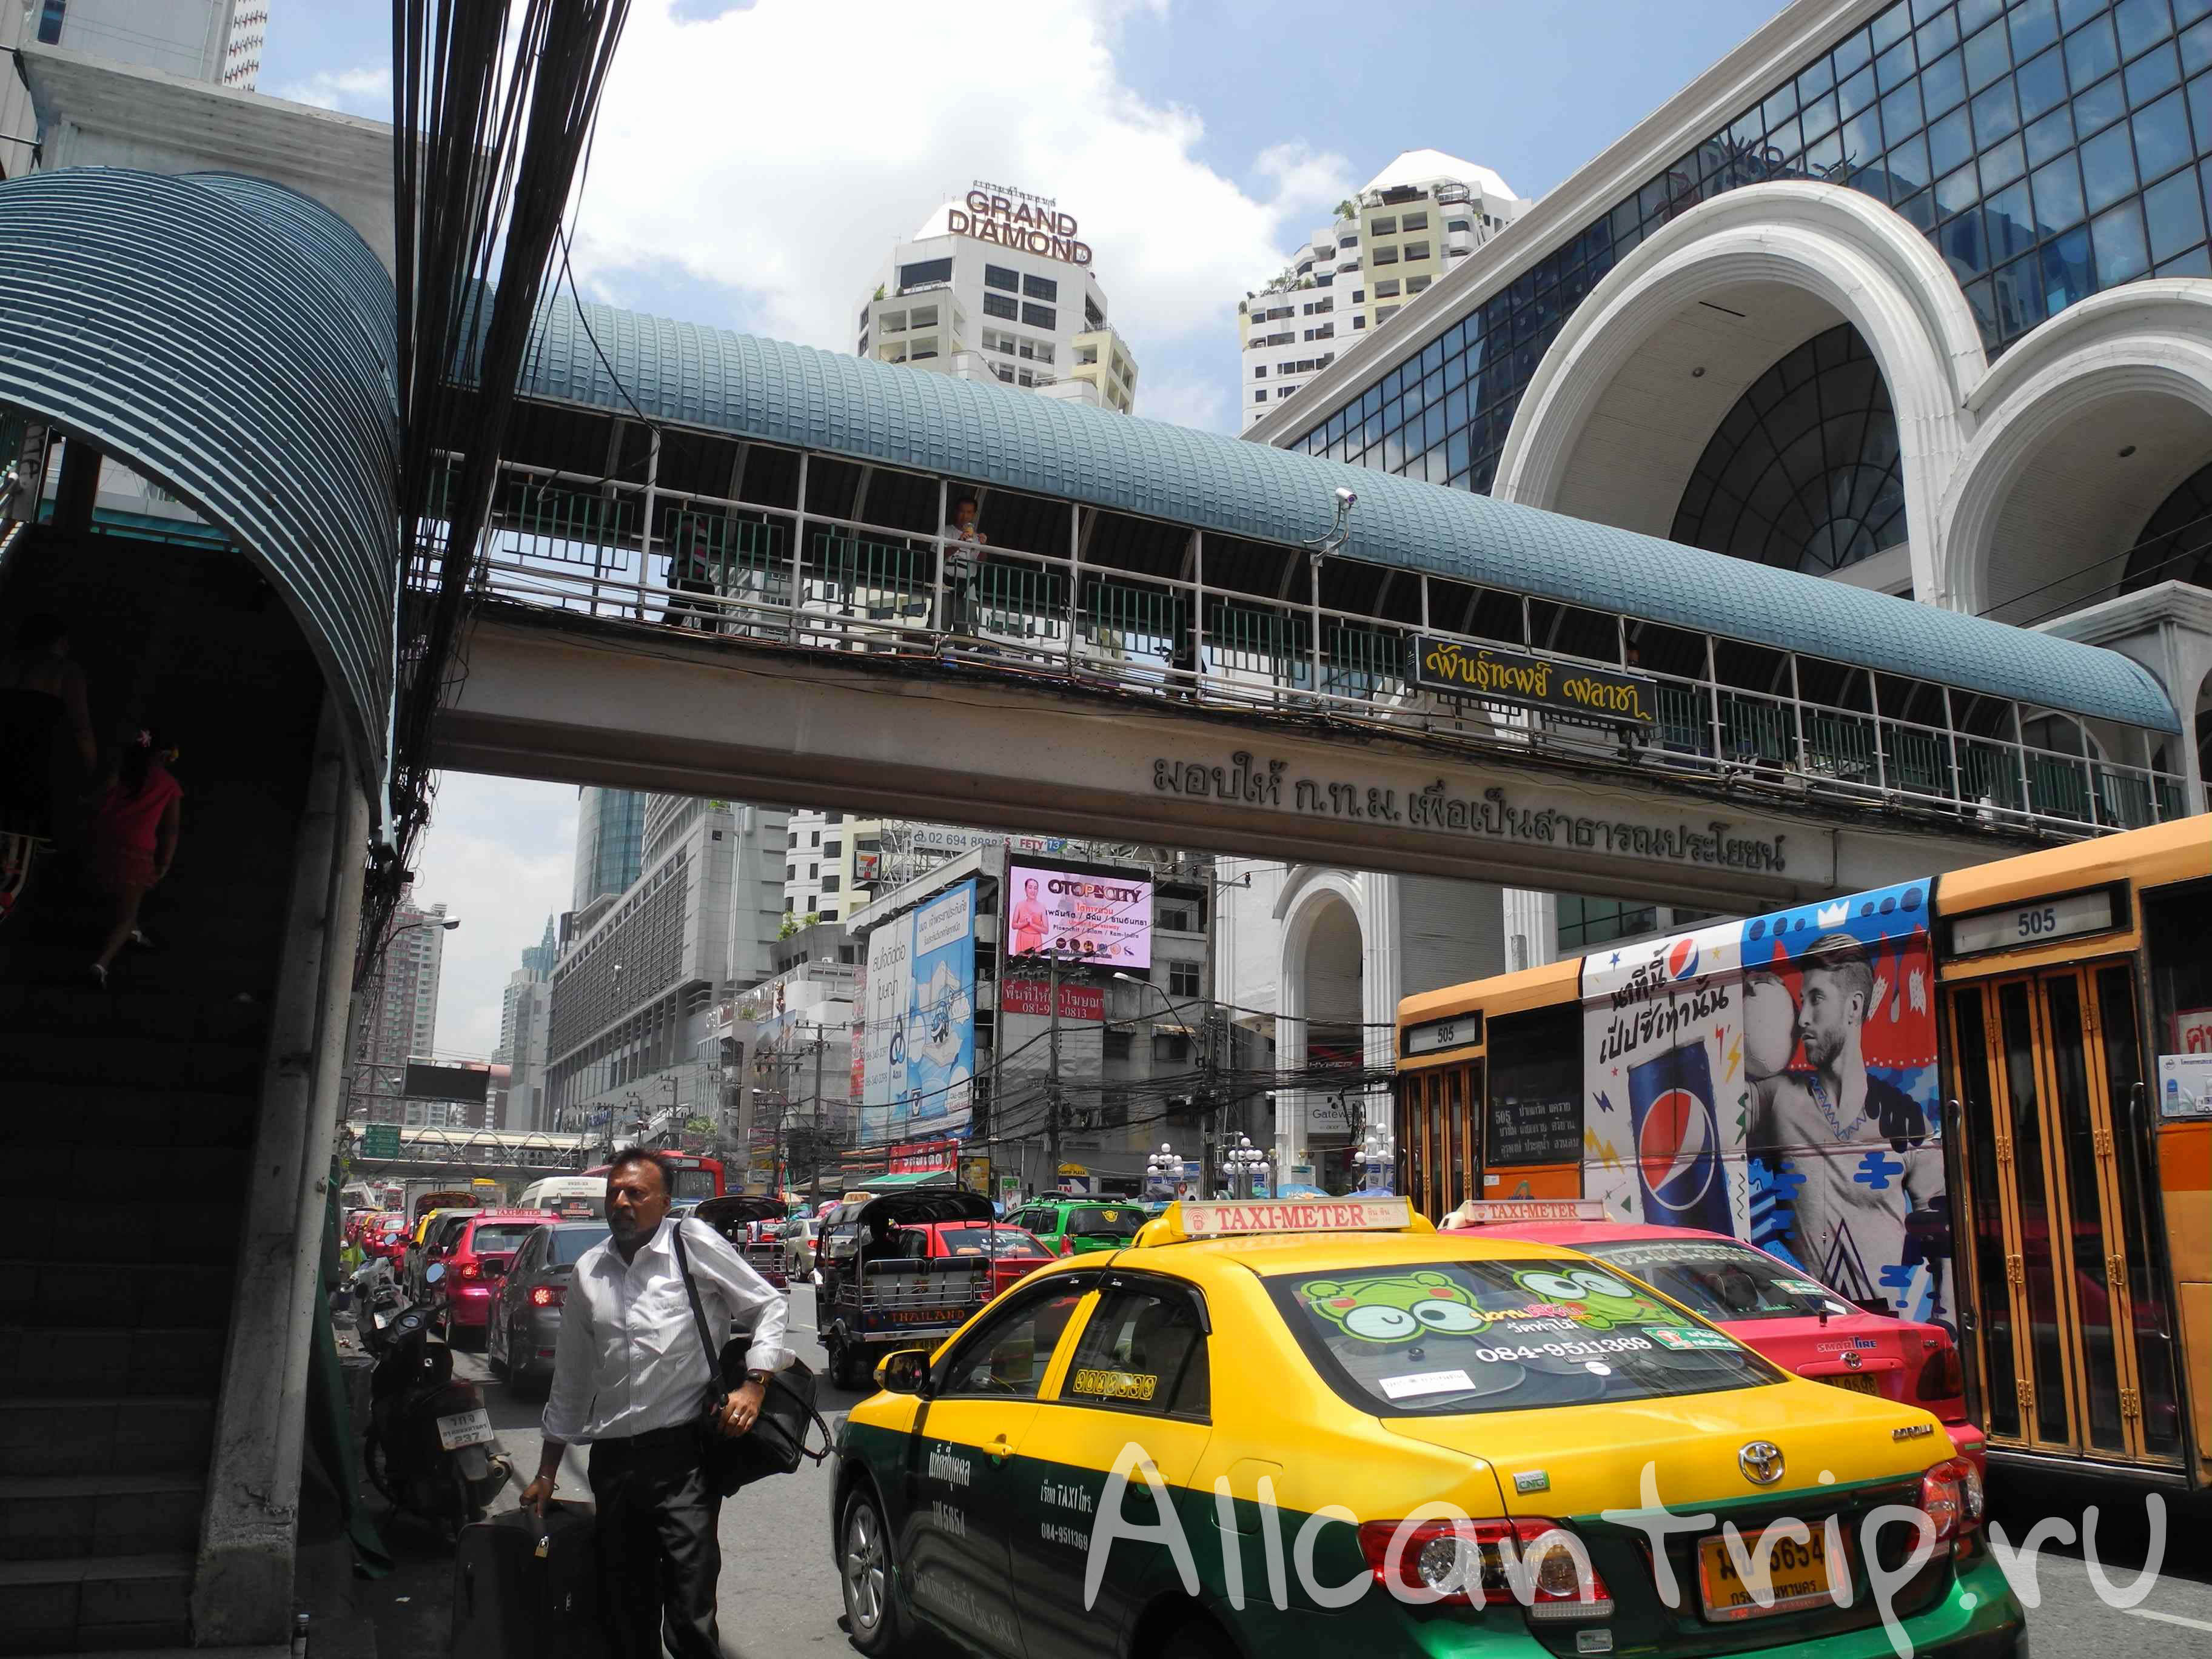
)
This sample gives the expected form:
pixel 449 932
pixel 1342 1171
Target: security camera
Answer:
pixel 1346 499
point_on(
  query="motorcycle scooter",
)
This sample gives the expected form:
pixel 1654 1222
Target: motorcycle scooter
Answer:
pixel 427 1446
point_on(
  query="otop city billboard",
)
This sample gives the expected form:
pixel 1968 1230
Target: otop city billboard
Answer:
pixel 1101 917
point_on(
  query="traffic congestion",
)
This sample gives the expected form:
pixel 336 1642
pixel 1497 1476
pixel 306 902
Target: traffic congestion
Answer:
pixel 1251 1427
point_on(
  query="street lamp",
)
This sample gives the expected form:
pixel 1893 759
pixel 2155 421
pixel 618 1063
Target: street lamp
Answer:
pixel 1246 1168
pixel 1163 1170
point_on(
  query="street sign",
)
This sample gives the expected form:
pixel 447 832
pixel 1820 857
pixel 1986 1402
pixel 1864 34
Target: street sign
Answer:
pixel 380 1140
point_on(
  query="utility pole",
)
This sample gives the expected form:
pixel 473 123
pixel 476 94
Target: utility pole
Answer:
pixel 1052 1081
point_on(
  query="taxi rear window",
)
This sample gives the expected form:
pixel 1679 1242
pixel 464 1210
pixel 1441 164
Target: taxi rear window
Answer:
pixel 1723 1281
pixel 989 1241
pixel 1114 1221
pixel 493 1237
pixel 1454 1337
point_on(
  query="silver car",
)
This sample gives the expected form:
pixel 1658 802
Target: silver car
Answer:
pixel 798 1236
pixel 526 1320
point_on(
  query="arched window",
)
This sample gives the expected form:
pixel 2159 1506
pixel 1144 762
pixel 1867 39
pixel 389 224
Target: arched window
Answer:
pixel 2176 545
pixel 1804 471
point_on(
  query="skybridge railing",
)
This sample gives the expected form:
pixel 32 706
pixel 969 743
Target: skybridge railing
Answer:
pixel 783 576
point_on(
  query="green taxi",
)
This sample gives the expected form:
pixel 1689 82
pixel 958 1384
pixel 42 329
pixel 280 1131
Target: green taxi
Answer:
pixel 1323 1428
pixel 1072 1226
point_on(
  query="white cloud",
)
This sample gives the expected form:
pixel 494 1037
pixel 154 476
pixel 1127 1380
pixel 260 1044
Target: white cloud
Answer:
pixel 366 91
pixel 779 149
pixel 500 853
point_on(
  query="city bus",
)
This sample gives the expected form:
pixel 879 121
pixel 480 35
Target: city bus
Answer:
pixel 696 1177
pixel 1984 1099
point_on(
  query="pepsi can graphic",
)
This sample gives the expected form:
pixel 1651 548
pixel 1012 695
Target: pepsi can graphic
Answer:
pixel 1678 1141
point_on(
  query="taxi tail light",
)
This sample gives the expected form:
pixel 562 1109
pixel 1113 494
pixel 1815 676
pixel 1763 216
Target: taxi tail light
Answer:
pixel 545 1296
pixel 1941 1375
pixel 1471 1563
pixel 1951 1496
pixel 472 1270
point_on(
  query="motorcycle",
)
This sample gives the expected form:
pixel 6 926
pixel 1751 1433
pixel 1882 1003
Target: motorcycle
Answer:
pixel 428 1448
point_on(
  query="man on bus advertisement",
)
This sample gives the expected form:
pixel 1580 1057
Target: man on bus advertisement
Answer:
pixel 1845 1132
pixel 1775 1079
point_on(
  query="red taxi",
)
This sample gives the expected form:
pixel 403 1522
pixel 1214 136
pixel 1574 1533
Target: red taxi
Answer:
pixel 480 1258
pixel 1761 1300
pixel 384 1237
pixel 1015 1252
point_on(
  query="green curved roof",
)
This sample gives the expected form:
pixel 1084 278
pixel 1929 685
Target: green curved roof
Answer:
pixel 988 434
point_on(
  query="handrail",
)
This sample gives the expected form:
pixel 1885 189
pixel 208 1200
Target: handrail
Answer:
pixel 800 578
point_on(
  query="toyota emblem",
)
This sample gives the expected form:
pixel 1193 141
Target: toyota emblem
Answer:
pixel 1852 1362
pixel 1761 1462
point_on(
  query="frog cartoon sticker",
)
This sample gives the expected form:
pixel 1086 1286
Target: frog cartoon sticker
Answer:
pixel 1596 1299
pixel 1396 1308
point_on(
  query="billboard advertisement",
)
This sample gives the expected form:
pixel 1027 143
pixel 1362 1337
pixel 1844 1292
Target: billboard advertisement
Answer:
pixel 918 1058
pixel 1775 1079
pixel 1104 917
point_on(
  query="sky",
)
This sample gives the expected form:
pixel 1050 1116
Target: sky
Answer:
pixel 754 164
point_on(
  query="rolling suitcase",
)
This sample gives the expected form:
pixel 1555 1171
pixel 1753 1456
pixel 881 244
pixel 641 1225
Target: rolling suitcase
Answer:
pixel 528 1589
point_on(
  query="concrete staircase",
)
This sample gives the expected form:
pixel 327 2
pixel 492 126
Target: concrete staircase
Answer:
pixel 128 1116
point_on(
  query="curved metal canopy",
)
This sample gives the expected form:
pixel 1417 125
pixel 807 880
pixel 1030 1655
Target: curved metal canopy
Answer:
pixel 233 341
pixel 713 378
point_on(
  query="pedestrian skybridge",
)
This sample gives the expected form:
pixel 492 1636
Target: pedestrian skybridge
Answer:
pixel 1150 573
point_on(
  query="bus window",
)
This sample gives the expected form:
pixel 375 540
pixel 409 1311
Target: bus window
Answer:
pixel 2146 1246
pixel 1535 1109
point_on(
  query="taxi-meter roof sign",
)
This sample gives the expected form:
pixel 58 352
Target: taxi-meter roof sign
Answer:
pixel 1523 1212
pixel 1331 1215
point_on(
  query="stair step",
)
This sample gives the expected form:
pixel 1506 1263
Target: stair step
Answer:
pixel 73 1293
pixel 100 1434
pixel 50 1365
pixel 73 1058
pixel 74 1603
pixel 56 1516
pixel 55 1010
pixel 142 1114
pixel 141 1231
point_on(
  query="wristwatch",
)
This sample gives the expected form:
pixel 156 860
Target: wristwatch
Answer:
pixel 760 1377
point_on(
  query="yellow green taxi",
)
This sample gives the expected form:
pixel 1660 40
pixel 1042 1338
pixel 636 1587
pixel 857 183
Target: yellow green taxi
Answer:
pixel 1322 1427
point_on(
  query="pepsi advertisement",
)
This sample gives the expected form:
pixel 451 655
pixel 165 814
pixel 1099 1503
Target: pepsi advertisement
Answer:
pixel 1775 1079
pixel 1665 1098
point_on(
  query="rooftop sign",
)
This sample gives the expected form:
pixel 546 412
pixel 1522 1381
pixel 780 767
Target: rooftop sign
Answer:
pixel 1014 219
pixel 1335 1215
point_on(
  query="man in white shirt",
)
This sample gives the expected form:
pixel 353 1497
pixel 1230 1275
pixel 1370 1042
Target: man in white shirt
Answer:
pixel 630 1376
pixel 963 551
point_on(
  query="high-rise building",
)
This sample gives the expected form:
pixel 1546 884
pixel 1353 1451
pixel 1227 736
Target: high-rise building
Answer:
pixel 396 1014
pixel 1411 224
pixel 998 284
pixel 525 1011
pixel 642 969
pixel 218 40
pixel 609 843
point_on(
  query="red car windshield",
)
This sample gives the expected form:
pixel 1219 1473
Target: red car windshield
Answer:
pixel 1723 1281
pixel 990 1241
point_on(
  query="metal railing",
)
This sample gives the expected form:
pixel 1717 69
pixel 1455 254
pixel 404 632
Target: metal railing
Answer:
pixel 765 572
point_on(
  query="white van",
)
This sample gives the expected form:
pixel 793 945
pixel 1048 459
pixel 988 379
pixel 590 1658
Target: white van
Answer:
pixel 572 1198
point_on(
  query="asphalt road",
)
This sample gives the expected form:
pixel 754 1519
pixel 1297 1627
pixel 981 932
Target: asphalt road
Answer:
pixel 780 1594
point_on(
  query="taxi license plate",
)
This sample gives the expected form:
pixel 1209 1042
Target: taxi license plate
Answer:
pixel 1857 1383
pixel 465 1429
pixel 1797 1574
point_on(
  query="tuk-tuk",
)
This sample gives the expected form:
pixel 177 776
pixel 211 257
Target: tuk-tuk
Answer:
pixel 881 1291
pixel 737 1218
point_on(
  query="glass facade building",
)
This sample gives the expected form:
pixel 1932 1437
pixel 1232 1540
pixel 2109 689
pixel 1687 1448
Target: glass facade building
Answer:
pixel 2048 149
pixel 609 843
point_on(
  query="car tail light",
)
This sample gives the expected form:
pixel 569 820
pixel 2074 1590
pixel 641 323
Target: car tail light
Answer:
pixel 1942 1377
pixel 1461 1563
pixel 472 1270
pixel 1951 1496
pixel 545 1296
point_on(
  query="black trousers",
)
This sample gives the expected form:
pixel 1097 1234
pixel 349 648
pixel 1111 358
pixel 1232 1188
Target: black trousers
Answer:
pixel 659 1554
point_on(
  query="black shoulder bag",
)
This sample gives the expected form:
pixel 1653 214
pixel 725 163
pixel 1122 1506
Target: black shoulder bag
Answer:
pixel 777 1440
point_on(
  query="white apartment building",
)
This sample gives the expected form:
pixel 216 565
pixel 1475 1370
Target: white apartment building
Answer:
pixel 217 40
pixel 998 284
pixel 1412 221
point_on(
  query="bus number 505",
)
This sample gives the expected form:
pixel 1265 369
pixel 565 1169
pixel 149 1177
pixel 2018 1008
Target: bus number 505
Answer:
pixel 2033 922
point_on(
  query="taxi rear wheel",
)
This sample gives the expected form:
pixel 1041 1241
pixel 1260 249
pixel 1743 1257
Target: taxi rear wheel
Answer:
pixel 865 1566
